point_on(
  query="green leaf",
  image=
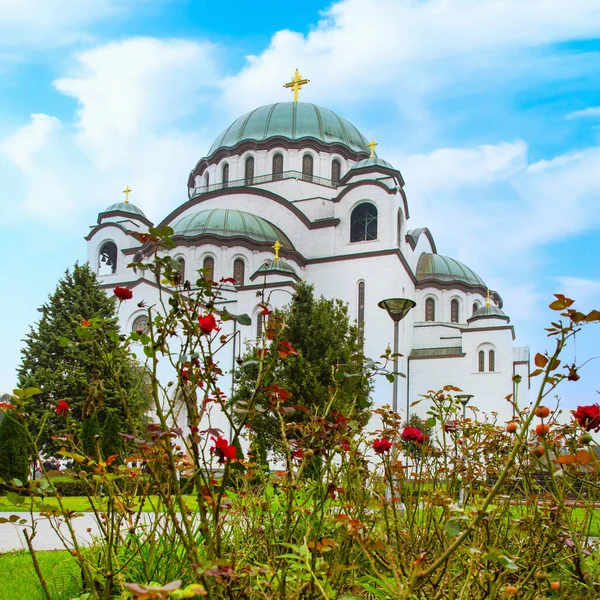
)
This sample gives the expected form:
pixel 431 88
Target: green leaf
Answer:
pixel 452 527
pixel 390 377
pixel 431 422
pixel 15 498
pixel 17 482
pixel 64 342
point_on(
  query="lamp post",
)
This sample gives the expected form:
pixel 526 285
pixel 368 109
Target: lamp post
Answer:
pixel 464 400
pixel 397 308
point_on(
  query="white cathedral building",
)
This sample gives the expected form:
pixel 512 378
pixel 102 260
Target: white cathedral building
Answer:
pixel 302 175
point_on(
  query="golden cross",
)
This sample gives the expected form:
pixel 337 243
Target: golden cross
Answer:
pixel 276 246
pixel 296 83
pixel 126 192
pixel 488 302
pixel 372 146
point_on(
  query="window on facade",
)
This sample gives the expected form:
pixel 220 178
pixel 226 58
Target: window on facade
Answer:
pixel 307 167
pixel 399 232
pixel 249 170
pixel 430 309
pixel 207 181
pixel 260 322
pixel 107 260
pixel 481 366
pixel 238 271
pixel 454 311
pixel 181 267
pixel 492 361
pixel 209 268
pixel 140 324
pixel 475 307
pixel 225 175
pixel 336 170
pixel 277 167
pixel 363 223
pixel 361 310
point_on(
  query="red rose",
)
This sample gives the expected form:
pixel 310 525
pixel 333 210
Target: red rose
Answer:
pixel 588 417
pixel 208 324
pixel 450 426
pixel 412 434
pixel 123 293
pixel 382 445
pixel 223 449
pixel 85 323
pixel 62 407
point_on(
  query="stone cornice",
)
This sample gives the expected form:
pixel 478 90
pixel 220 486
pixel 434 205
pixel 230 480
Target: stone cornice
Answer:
pixel 128 215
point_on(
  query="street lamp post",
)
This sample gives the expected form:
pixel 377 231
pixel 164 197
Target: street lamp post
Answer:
pixel 397 308
pixel 464 400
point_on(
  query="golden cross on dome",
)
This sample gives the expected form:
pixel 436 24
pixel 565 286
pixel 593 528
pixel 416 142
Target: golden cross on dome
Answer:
pixel 276 246
pixel 126 192
pixel 296 83
pixel 372 145
pixel 488 302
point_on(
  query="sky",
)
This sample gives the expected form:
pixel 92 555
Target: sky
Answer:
pixel 489 108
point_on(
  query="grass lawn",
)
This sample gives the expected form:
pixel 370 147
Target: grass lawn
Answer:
pixel 18 580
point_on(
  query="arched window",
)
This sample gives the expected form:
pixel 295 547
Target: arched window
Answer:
pixel 492 361
pixel 249 170
pixel 140 324
pixel 430 309
pixel 454 311
pixel 207 180
pixel 481 361
pixel 107 260
pixel 225 175
pixel 277 167
pixel 307 167
pixel 400 228
pixel 336 170
pixel 208 267
pixel 260 321
pixel 363 223
pixel 181 267
pixel 238 271
pixel 361 311
pixel 475 307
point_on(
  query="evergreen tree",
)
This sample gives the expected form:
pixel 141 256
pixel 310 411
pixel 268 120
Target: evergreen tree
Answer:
pixel 14 453
pixel 67 365
pixel 112 442
pixel 90 429
pixel 321 332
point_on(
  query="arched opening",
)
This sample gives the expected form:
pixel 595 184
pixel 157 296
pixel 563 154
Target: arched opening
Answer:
pixel 225 175
pixel 207 179
pixel 208 268
pixel 249 170
pixel 363 223
pixel 430 309
pixel 277 167
pixel 491 361
pixel 481 365
pixel 400 225
pixel 336 170
pixel 475 307
pixel 361 311
pixel 239 271
pixel 454 311
pixel 181 268
pixel 260 322
pixel 140 324
pixel 307 167
pixel 107 259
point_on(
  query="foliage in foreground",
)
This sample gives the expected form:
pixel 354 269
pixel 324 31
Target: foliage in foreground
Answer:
pixel 482 510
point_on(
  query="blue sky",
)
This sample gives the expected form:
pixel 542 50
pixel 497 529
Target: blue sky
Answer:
pixel 491 111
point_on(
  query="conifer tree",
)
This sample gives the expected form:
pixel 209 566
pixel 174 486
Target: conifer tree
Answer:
pixel 112 442
pixel 14 453
pixel 89 436
pixel 64 366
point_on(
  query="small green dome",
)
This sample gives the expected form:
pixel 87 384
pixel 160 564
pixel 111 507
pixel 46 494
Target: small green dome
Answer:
pixel 292 120
pixel 488 312
pixel 435 267
pixel 372 162
pixel 280 266
pixel 230 223
pixel 125 207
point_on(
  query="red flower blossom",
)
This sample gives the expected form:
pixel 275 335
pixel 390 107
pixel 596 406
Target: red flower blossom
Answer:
pixel 412 434
pixel 208 324
pixel 298 454
pixel 62 407
pixel 228 280
pixel 588 417
pixel 223 449
pixel 450 426
pixel 285 349
pixel 123 293
pixel 85 323
pixel 382 445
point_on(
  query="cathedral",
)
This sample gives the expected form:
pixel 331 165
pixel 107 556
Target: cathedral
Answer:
pixel 293 191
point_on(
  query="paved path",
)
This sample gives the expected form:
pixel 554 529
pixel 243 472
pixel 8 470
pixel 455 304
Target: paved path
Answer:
pixel 11 535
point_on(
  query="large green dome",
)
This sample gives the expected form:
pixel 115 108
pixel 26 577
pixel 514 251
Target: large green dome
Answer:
pixel 292 120
pixel 435 267
pixel 230 223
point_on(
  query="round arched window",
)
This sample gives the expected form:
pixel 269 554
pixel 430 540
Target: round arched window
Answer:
pixel 363 223
pixel 140 324
pixel 107 259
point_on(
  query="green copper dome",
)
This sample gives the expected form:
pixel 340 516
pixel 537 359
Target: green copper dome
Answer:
pixel 230 223
pixel 125 207
pixel 435 267
pixel 372 162
pixel 488 312
pixel 280 266
pixel 292 120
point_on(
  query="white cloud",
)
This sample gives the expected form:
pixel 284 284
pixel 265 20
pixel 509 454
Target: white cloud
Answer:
pixel 586 292
pixel 592 111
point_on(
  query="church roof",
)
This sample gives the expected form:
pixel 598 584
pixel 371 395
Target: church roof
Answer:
pixel 125 207
pixel 292 120
pixel 280 267
pixel 225 222
pixel 488 311
pixel 372 162
pixel 435 267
